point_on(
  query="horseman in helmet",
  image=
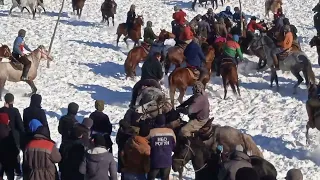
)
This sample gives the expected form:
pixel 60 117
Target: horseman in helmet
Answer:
pixel 18 46
pixel 197 107
pixel 131 16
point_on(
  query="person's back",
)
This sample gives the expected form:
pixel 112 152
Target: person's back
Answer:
pixel 152 69
pixel 203 29
pixel 101 121
pixel 67 122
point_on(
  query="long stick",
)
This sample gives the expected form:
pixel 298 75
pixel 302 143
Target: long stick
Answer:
pixel 241 20
pixel 54 32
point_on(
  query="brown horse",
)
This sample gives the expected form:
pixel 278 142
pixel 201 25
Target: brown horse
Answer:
pixel 108 9
pixel 77 5
pixel 174 56
pixel 139 53
pixel 229 75
pixel 5 52
pixel 135 32
pixel 181 78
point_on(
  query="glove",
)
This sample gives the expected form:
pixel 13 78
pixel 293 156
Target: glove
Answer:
pixel 182 110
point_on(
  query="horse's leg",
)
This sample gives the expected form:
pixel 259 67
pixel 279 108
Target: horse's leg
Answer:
pixel 2 83
pixel 221 3
pixel 33 87
pixel 224 81
pixel 119 35
pixel 238 89
pixel 33 13
pixel 273 76
pixel 182 92
pixel 307 134
pixel 125 40
pixel 172 91
pixel 216 1
pixel 318 52
pixel 113 20
pixel 108 21
pixel 296 73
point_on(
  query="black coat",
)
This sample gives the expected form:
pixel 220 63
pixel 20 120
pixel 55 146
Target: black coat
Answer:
pixel 8 151
pixel 66 123
pixel 151 69
pixel 131 15
pixel 33 112
pixel 15 124
pixel 101 122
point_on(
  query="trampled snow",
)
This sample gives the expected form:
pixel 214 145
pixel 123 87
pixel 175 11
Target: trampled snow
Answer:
pixel 88 65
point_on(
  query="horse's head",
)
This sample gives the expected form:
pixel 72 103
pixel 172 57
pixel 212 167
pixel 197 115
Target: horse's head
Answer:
pixel 42 53
pixel 6 51
pixel 315 41
pixel 139 20
pixel 313 89
pixel 183 153
pixel 165 35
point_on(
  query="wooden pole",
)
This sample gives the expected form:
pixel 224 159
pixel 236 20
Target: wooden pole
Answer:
pixel 241 19
pixel 54 32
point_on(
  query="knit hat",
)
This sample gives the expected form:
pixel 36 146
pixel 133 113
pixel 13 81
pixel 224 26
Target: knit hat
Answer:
pixel 34 124
pixel 144 130
pixel 98 140
pixel 247 173
pixel 9 98
pixel 73 108
pixel 99 105
pixel 294 174
pixel 160 121
pixel 87 122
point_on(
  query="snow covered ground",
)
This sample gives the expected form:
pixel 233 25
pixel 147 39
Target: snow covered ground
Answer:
pixel 89 66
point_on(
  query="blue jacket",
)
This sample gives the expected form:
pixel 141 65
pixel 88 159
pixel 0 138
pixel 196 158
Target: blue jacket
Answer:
pixel 194 55
pixel 156 47
pixel 18 43
pixel 162 143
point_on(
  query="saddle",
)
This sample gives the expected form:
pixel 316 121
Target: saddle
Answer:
pixel 16 64
pixel 194 73
pixel 146 47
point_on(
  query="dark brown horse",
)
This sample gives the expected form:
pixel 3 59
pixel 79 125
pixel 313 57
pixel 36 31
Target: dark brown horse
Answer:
pixel 139 53
pixel 5 52
pixel 77 5
pixel 108 9
pixel 315 41
pixel 181 78
pixel 229 75
pixel 135 32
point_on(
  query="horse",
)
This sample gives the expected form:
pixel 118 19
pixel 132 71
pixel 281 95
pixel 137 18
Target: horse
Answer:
pixel 315 41
pixel 312 106
pixel 77 5
pixel 296 61
pixel 12 71
pixel 108 9
pixel 181 78
pixel 272 5
pixel 139 53
pixel 229 75
pixel 5 52
pixel 23 4
pixel 263 167
pixel 135 32
pixel 174 56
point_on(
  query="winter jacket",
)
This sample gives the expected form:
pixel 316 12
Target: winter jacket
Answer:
pixel 279 23
pixel 179 17
pixel 98 162
pixel 226 14
pixel 186 34
pixel 18 46
pixel 198 107
pixel 131 15
pixel 136 156
pixel 287 42
pixel 66 123
pixel 40 157
pixel 15 124
pixel 149 35
pixel 236 17
pixel 34 111
pixel 316 20
pixel 232 48
pixel 162 143
pixel 194 55
pixel 101 122
pixel 72 155
pixel 220 29
pixel 203 29
pixel 151 69
pixel 237 160
pixel 156 47
pixel 85 134
pixel 253 25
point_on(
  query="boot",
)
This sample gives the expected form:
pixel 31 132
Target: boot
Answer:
pixel 25 72
pixel 276 62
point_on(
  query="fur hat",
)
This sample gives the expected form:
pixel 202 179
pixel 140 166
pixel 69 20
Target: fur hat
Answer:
pixel 87 122
pixel 160 121
pixel 294 174
pixel 198 87
pixel 99 105
pixel 9 98
pixel 247 173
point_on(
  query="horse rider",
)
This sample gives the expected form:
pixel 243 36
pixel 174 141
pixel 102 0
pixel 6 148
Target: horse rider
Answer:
pixel 151 74
pixel 251 28
pixel 312 105
pixel 237 19
pixel 226 13
pixel 186 34
pixel 220 28
pixel 194 23
pixel 18 54
pixel 285 45
pixel 203 29
pixel 148 34
pixel 293 30
pixel 316 18
pixel 131 16
pixel 210 16
pixel 197 108
pixel 178 20
pixel 230 50
pixel 195 58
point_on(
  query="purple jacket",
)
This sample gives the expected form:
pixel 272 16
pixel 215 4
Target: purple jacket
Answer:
pixel 162 142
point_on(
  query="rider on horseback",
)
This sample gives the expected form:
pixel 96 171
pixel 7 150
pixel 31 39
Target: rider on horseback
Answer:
pixel 18 54
pixel 195 58
pixel 203 29
pixel 220 28
pixel 131 15
pixel 226 13
pixel 316 18
pixel 197 109
pixel 230 50
pixel 210 17
pixel 148 34
pixel 178 21
pixel 251 28
pixel 285 45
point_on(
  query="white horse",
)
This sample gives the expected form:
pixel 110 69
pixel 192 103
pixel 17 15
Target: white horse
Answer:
pixel 32 4
pixel 12 71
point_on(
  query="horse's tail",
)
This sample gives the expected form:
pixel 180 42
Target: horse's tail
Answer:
pixel 128 65
pixel 250 145
pixel 172 88
pixel 310 73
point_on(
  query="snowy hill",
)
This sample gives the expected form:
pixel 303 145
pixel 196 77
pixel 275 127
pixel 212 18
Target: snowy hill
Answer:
pixel 88 65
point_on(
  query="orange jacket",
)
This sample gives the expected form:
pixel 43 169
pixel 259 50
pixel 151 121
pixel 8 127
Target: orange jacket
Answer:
pixel 287 42
pixel 186 34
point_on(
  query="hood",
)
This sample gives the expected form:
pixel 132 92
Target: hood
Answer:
pixel 36 100
pixel 34 125
pixel 97 154
pixel 73 108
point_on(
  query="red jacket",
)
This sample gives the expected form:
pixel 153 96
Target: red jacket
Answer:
pixel 253 25
pixel 186 34
pixel 179 17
